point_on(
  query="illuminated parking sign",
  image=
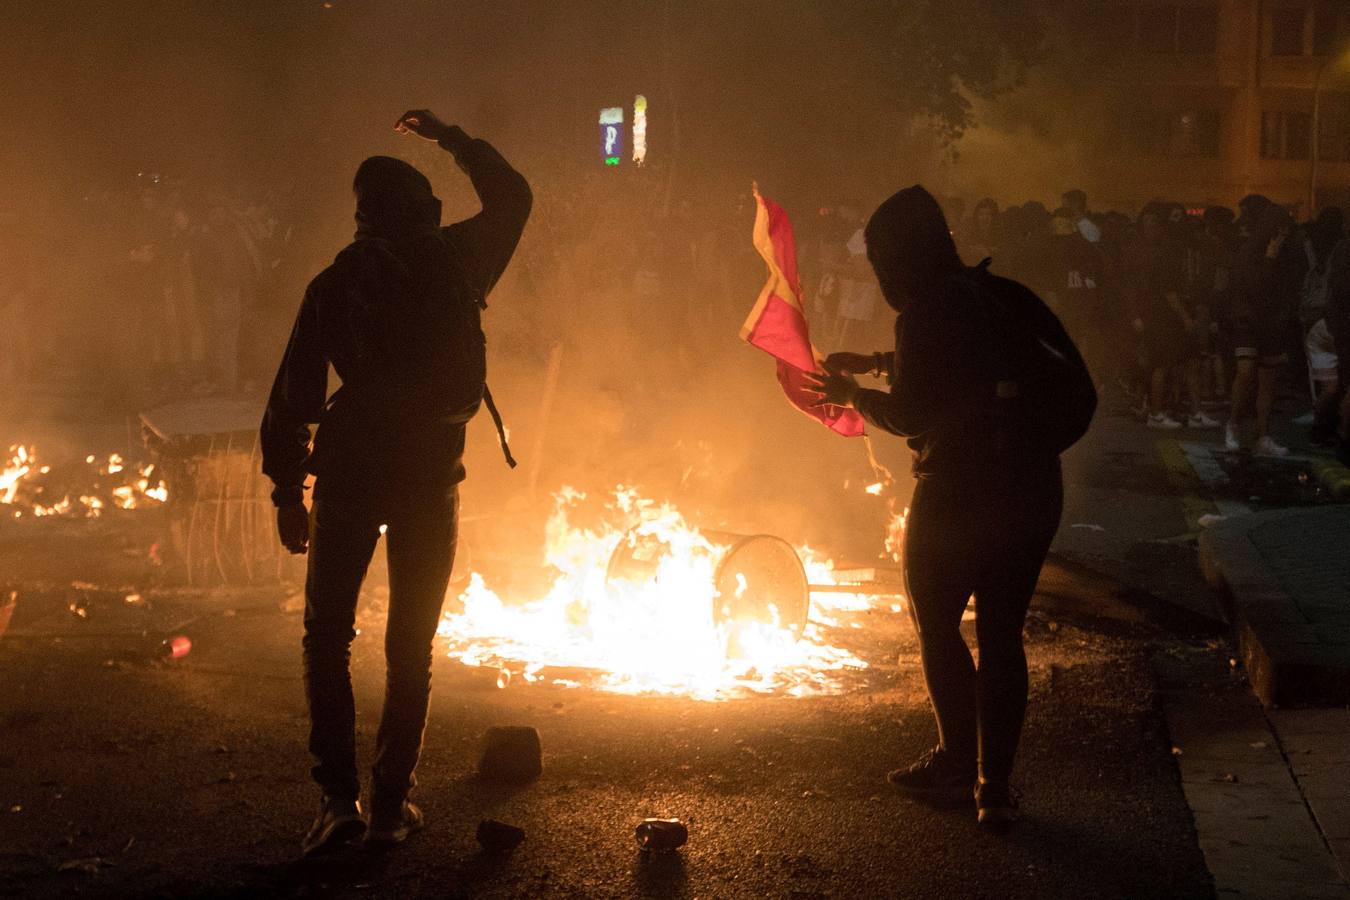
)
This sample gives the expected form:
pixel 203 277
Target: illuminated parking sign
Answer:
pixel 611 135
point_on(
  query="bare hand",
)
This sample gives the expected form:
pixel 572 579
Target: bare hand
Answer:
pixel 849 363
pixel 293 527
pixel 423 123
pixel 1277 242
pixel 833 390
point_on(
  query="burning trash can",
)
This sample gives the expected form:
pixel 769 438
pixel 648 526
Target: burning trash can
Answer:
pixel 757 578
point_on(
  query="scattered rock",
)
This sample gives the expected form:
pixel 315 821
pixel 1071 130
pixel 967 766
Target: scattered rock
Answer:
pixel 498 837
pixel 511 753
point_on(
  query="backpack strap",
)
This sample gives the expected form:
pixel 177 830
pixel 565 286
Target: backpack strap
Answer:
pixel 501 429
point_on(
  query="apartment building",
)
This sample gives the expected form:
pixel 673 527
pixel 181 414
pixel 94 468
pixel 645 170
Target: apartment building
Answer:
pixel 1205 101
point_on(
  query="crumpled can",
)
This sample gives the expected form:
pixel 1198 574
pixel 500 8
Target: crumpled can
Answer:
pixel 661 835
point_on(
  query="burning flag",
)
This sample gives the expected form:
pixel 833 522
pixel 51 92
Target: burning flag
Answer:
pixel 777 323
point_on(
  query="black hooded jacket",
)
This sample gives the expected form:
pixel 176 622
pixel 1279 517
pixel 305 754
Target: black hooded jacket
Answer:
pixel 397 317
pixel 952 346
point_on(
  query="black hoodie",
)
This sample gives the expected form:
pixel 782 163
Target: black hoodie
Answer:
pixel 396 315
pixel 951 347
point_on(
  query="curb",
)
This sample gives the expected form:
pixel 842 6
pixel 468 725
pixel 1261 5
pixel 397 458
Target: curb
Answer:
pixel 1287 661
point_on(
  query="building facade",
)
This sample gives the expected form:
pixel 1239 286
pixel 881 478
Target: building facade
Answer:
pixel 1206 101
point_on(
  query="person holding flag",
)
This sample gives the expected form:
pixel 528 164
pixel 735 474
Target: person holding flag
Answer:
pixel 989 390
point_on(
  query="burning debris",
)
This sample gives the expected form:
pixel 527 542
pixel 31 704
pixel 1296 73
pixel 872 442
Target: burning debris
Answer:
pixel 32 488
pixel 644 602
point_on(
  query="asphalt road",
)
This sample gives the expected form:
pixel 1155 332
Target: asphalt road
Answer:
pixel 123 777
pixel 189 779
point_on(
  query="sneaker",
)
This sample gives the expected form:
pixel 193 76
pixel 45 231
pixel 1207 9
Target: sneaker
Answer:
pixel 339 822
pixel 936 777
pixel 1305 420
pixel 996 805
pixel 1200 420
pixel 1267 447
pixel 1163 422
pixel 1230 439
pixel 391 825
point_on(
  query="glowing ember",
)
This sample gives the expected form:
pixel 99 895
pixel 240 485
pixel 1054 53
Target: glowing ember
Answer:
pixel 668 633
pixel 27 488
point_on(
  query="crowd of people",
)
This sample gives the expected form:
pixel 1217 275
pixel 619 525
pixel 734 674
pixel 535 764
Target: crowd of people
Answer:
pixel 148 288
pixel 1201 317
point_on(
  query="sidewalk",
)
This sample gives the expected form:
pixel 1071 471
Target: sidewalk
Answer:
pixel 1255 777
pixel 1284 576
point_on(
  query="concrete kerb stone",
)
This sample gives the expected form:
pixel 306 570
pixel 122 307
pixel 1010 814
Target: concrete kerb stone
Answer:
pixel 1288 658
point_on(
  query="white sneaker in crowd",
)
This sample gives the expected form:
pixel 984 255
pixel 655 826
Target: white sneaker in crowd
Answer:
pixel 1163 422
pixel 1304 420
pixel 1230 439
pixel 1200 420
pixel 1267 447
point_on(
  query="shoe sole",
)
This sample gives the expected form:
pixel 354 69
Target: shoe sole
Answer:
pixel 342 832
pixel 998 819
pixel 391 838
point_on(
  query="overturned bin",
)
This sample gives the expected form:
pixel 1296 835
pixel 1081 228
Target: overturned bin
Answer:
pixel 756 577
pixel 221 528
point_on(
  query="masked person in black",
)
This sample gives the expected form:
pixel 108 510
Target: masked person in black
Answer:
pixel 397 316
pixel 989 389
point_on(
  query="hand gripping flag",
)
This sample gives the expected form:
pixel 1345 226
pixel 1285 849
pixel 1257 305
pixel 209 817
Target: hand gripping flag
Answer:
pixel 777 323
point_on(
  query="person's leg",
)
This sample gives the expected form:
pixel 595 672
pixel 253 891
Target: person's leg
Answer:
pixel 938 583
pixel 1002 595
pixel 1324 410
pixel 1157 391
pixel 1194 368
pixel 1343 425
pixel 1267 374
pixel 1243 379
pixel 421 551
pixel 1324 367
pixel 342 539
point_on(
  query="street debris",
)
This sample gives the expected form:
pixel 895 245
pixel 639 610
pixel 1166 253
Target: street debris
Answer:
pixel 176 647
pixel 87 865
pixel 511 753
pixel 661 835
pixel 498 837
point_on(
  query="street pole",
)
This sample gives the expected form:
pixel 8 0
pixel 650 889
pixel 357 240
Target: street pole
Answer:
pixel 1335 60
pixel 1316 148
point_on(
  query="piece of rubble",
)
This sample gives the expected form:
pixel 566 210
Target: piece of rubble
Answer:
pixel 511 753
pixel 498 837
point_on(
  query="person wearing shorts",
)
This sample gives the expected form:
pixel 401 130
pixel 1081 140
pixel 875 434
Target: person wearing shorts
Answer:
pixel 1266 278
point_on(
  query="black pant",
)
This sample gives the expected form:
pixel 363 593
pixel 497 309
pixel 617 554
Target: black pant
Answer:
pixel 421 539
pixel 988 538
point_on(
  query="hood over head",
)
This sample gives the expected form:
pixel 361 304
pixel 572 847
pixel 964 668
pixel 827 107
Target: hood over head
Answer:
pixel 394 201
pixel 910 246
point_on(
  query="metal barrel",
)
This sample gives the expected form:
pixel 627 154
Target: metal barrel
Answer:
pixel 756 577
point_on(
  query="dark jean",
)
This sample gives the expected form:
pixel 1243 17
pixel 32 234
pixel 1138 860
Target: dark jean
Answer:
pixel 986 537
pixel 420 548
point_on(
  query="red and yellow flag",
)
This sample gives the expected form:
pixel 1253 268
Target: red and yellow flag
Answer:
pixel 777 323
